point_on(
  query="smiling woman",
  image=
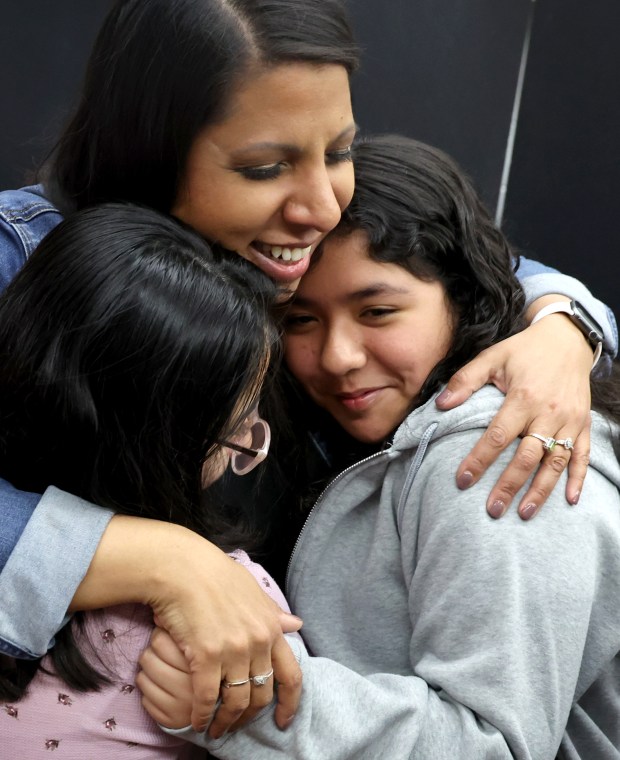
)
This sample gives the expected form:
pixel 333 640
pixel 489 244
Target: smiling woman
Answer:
pixel 273 176
pixel 236 117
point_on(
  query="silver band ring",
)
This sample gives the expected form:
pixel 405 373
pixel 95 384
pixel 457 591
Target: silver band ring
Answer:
pixel 550 443
pixel 256 680
pixel 228 684
pixel 261 680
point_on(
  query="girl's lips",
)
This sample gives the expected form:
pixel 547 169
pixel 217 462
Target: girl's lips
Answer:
pixel 359 401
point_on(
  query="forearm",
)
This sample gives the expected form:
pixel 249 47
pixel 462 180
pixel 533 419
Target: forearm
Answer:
pixel 137 560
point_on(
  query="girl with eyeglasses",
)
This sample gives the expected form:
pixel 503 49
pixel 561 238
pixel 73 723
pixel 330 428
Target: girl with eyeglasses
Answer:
pixel 132 359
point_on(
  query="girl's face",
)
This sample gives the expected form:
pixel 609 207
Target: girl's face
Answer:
pixel 362 337
pixel 271 179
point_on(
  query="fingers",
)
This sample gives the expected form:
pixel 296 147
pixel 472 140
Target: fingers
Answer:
pixel 166 689
pixel 503 429
pixel 243 696
pixel 289 677
pixel 531 458
pixel 290 623
pixel 470 378
pixel 578 466
pixel 552 465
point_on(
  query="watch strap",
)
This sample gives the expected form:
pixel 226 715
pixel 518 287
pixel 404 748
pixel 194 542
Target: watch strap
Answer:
pixel 594 337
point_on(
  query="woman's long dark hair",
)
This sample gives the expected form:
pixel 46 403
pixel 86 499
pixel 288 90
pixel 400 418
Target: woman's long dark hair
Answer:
pixel 163 70
pixel 128 348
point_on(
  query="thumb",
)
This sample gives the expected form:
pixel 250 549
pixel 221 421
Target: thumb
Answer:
pixel 462 384
pixel 290 622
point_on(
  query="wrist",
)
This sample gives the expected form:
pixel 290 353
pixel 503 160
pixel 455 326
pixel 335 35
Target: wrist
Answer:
pixel 581 320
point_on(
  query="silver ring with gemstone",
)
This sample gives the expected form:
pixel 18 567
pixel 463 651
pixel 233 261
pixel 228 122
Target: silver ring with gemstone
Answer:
pixel 550 443
pixel 547 441
pixel 261 680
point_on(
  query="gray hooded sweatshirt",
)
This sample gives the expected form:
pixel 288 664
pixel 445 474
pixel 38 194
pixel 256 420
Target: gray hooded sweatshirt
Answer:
pixel 436 633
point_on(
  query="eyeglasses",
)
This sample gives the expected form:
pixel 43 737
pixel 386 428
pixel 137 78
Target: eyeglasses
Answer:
pixel 245 458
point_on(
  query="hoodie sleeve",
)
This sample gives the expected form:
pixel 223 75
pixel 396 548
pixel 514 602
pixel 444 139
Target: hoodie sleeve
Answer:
pixel 500 613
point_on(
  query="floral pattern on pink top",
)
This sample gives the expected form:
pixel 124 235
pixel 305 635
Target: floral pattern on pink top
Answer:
pixel 110 724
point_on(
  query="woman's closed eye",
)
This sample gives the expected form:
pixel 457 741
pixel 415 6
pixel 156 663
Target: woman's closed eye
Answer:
pixel 273 171
pixel 267 171
pixel 339 156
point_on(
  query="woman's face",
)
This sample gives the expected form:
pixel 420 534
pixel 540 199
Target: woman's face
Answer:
pixel 362 337
pixel 271 179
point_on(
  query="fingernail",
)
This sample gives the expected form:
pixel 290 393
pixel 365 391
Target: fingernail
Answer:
pixel 496 509
pixel 464 480
pixel 574 499
pixel 528 511
pixel 287 723
pixel 443 397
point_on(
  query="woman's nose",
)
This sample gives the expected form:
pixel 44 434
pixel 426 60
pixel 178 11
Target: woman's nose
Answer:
pixel 318 201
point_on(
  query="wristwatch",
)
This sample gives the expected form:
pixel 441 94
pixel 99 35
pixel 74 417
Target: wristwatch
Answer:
pixel 580 317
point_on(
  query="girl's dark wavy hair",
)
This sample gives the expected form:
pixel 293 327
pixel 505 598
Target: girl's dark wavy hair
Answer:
pixel 128 348
pixel 419 210
pixel 163 70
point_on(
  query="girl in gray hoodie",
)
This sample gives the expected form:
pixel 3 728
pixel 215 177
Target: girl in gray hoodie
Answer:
pixel 431 631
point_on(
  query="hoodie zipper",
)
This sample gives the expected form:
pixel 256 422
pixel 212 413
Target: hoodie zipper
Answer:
pixel 317 504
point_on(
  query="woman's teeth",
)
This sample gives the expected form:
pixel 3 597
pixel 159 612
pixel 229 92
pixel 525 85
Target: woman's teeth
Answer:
pixel 286 254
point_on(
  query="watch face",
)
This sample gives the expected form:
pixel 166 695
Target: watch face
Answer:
pixel 586 322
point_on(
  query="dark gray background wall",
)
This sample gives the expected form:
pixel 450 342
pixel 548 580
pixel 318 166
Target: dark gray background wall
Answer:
pixel 444 71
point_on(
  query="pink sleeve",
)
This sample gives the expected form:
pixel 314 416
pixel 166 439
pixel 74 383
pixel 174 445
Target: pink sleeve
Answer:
pixel 263 578
pixel 110 724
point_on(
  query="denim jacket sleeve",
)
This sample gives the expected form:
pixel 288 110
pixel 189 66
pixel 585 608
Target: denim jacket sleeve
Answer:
pixel 26 216
pixel 46 542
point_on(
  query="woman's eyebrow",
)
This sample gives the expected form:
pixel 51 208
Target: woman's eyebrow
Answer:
pixel 290 147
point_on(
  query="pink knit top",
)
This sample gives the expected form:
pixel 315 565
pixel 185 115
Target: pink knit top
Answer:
pixel 110 724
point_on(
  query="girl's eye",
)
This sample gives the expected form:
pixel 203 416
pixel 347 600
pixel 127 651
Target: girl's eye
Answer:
pixel 297 321
pixel 377 312
pixel 339 156
pixel 269 171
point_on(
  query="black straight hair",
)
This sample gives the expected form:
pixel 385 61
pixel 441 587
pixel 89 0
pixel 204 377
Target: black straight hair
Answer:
pixel 163 70
pixel 126 345
pixel 128 348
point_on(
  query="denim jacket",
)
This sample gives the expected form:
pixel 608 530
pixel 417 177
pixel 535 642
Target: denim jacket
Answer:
pixel 47 542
